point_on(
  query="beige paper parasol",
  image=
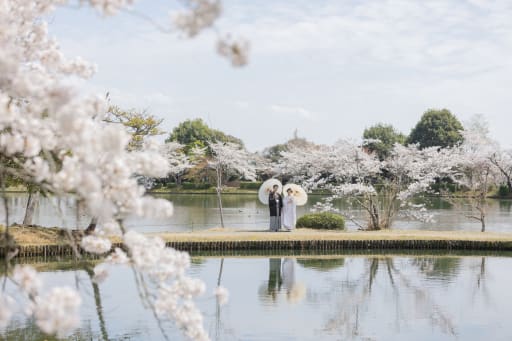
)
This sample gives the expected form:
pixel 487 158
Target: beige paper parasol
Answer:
pixel 266 188
pixel 300 195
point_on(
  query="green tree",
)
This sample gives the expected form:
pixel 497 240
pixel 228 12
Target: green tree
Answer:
pixel 386 135
pixel 436 128
pixel 196 133
pixel 139 124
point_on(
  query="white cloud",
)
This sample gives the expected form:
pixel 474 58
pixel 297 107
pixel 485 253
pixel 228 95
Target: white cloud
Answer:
pixel 445 37
pixel 355 62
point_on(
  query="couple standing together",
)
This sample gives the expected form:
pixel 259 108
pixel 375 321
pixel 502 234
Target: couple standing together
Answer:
pixel 282 210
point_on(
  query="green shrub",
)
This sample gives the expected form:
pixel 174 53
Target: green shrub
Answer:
pixel 503 191
pixel 188 185
pixel 250 184
pixel 452 187
pixel 444 186
pixel 321 264
pixel 322 220
pixel 191 185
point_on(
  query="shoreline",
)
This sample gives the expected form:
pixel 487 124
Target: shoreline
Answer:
pixel 44 242
pixel 238 191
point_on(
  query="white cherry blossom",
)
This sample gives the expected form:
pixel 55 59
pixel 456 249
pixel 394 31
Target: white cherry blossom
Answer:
pixel 221 294
pixel 6 309
pixel 95 244
pixel 58 311
pixel 27 278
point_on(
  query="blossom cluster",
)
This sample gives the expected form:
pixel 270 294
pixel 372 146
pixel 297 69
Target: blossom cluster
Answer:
pixel 416 212
pixel 231 158
pixel 94 244
pixel 6 309
pixel 27 278
pixel 117 257
pixel 175 302
pixel 56 138
pixel 200 14
pixel 56 312
pixel 348 170
pixel 222 295
pixel 110 7
pixel 176 157
pixel 354 189
pixel 237 51
pixel 166 267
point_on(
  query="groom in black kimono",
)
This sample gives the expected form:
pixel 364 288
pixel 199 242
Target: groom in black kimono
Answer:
pixel 275 204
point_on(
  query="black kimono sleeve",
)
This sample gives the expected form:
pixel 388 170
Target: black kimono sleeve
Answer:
pixel 273 204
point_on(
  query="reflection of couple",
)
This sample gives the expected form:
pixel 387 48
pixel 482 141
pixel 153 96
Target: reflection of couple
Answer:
pixel 282 273
pixel 282 210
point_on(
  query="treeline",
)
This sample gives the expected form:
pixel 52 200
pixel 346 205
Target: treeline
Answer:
pixel 201 157
pixel 189 152
pixel 435 128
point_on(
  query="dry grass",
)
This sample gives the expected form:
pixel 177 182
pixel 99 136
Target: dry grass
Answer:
pixel 35 235
pixel 51 236
pixel 218 234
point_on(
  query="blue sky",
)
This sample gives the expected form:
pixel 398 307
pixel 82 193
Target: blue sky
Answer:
pixel 326 68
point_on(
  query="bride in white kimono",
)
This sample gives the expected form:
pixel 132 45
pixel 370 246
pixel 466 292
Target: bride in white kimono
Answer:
pixel 289 211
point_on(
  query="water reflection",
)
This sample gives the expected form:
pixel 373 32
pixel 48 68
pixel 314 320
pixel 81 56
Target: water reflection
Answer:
pixel 505 205
pixel 199 211
pixel 321 264
pixel 282 280
pixel 406 299
pixel 295 291
pixel 438 267
pixel 28 331
pixel 97 302
pixel 348 297
pixel 274 278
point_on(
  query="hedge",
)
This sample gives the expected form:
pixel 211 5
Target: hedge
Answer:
pixel 250 184
pixel 322 220
pixel 191 185
pixel 503 191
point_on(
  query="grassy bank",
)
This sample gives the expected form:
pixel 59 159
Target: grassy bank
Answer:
pixel 219 234
pixel 56 236
pixel 237 190
pixel 227 190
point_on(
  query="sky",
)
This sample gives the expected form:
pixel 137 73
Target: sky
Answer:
pixel 328 69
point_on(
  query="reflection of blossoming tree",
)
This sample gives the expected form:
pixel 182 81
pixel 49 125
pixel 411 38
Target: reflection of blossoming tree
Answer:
pixel 357 289
pixel 55 138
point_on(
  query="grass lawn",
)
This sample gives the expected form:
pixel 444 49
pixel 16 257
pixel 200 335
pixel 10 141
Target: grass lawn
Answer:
pixel 49 236
pixel 218 234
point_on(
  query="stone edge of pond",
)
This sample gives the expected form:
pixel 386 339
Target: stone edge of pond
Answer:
pixel 54 250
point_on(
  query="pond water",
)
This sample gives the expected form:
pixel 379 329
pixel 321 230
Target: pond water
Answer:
pixel 200 211
pixel 322 297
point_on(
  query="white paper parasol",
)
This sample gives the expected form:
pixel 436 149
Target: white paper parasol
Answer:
pixel 266 188
pixel 300 195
